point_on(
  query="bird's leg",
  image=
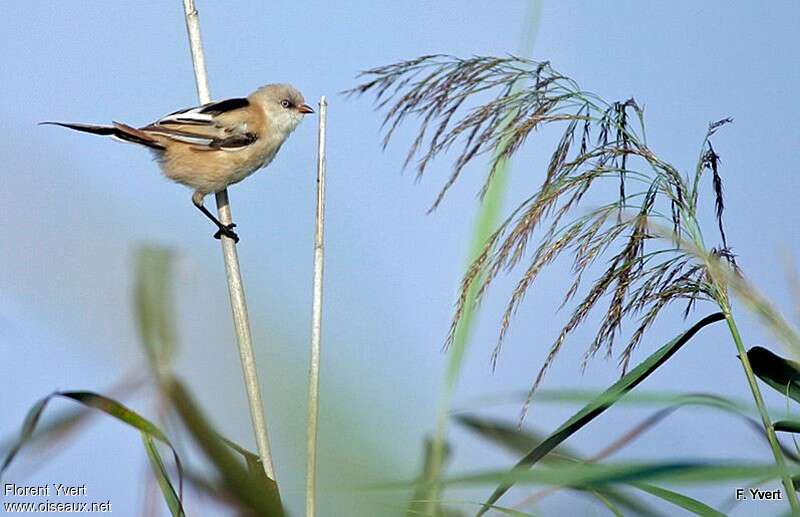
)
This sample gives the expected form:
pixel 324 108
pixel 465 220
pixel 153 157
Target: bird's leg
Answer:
pixel 224 229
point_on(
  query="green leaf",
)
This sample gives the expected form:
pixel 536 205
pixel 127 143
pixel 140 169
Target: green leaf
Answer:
pixel 606 400
pixel 160 473
pixel 592 475
pixel 259 494
pixel 637 398
pixel 488 217
pixel 781 374
pixel 28 426
pixel 685 502
pixel 106 405
pixel 491 206
pixel 511 437
pixel 607 503
pixel 64 423
pixel 153 308
pixel 113 408
pixel 522 440
pixel 787 426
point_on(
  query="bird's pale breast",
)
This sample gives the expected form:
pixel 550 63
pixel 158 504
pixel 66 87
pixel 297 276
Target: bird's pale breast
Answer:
pixel 212 171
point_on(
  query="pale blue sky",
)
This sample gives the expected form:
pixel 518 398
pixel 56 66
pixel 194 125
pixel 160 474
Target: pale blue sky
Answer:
pixel 76 207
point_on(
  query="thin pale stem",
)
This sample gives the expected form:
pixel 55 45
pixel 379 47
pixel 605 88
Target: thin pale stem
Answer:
pixel 788 484
pixel 316 320
pixel 241 321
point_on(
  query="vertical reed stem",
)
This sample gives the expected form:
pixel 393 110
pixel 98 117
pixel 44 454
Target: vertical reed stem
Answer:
pixel 241 321
pixel 316 320
pixel 769 429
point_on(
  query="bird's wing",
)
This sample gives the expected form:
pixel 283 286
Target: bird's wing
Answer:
pixel 224 125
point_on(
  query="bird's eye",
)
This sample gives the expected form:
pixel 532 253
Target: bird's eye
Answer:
pixel 285 103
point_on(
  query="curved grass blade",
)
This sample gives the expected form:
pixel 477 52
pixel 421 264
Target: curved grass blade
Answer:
pixel 113 408
pixel 787 426
pixel 160 473
pixel 28 426
pixel 520 441
pixel 592 475
pixel 251 492
pixel 509 436
pixel 639 398
pixel 685 502
pixel 49 437
pixel 108 406
pixel 781 374
pixel 607 399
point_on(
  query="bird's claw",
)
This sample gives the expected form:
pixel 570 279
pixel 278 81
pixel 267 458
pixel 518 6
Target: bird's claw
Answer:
pixel 228 232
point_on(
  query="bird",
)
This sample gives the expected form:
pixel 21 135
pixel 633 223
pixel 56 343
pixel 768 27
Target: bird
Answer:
pixel 212 146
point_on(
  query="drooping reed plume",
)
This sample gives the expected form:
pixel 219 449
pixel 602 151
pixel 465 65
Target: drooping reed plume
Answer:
pixel 600 142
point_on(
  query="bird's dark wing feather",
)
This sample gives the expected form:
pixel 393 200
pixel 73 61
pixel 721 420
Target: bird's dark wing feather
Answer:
pixel 203 115
pixel 217 108
pixel 234 141
pixel 216 126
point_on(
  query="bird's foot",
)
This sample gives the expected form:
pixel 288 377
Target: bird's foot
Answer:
pixel 228 232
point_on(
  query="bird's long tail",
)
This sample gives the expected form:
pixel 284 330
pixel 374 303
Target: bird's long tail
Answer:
pixel 117 131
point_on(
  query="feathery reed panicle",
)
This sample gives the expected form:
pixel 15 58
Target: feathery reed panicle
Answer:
pixel 600 142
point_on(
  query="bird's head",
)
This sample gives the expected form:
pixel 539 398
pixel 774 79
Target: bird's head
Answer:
pixel 283 105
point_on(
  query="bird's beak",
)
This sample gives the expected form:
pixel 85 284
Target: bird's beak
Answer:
pixel 305 108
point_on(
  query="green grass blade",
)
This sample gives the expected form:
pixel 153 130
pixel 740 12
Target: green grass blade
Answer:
pixel 99 402
pixel 639 398
pixel 258 494
pixel 117 410
pixel 595 408
pixel 489 215
pixel 485 224
pixel 28 426
pixel 592 475
pixel 685 502
pixel 521 441
pixel 160 473
pixel 511 437
pixel 779 373
pixel 153 307
pixel 515 439
pixel 787 426
pixel 64 423
pixel 607 503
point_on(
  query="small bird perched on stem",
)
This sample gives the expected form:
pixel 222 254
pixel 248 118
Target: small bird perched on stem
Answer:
pixel 210 147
